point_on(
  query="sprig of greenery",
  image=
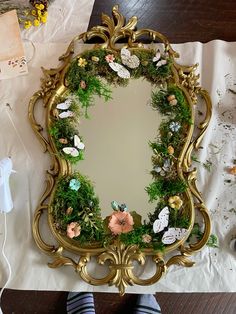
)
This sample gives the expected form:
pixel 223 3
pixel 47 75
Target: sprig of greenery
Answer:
pixel 196 231
pixel 165 187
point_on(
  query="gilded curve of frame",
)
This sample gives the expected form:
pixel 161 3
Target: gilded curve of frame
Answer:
pixel 119 257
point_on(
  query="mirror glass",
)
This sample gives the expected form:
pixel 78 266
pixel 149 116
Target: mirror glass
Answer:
pixel 117 153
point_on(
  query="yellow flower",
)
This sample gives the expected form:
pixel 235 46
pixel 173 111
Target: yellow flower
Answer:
pixel 41 6
pixel 82 62
pixel 33 12
pixel 37 6
pixel 175 202
pixel 45 14
pixel 36 22
pixel 43 19
pixel 39 12
pixel 27 24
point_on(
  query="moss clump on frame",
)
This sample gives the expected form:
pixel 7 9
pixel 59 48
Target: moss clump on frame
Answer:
pixel 136 237
pixel 85 208
pixel 181 111
pixel 65 129
pixel 163 187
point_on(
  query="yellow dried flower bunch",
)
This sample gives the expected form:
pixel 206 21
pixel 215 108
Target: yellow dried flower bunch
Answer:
pixel 35 16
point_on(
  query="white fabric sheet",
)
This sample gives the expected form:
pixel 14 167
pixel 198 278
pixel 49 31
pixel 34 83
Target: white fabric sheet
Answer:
pixel 215 268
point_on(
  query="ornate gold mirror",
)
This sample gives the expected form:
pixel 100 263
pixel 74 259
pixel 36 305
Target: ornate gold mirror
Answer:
pixel 119 122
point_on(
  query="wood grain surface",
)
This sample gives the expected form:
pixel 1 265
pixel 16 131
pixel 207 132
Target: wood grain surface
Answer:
pixel 44 302
pixel 180 21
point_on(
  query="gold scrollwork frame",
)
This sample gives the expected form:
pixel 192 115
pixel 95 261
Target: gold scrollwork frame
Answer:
pixel 119 257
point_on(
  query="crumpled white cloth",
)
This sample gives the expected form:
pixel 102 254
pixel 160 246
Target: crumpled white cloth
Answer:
pixel 215 268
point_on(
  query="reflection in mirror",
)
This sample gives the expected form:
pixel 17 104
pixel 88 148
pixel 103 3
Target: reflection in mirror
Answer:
pixel 117 155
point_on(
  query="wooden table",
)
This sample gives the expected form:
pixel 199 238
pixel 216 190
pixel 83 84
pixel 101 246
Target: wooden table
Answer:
pixel 180 21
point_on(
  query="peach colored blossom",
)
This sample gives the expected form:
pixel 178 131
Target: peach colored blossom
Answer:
pixel 170 150
pixel 109 58
pixel 73 230
pixel 63 140
pixel 120 222
pixel 82 84
pixel 171 97
pixel 146 238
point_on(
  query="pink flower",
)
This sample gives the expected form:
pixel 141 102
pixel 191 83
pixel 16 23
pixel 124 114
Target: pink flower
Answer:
pixel 146 238
pixel 73 230
pixel 109 58
pixel 82 84
pixel 121 222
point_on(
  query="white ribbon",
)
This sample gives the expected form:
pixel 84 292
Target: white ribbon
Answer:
pixel 6 203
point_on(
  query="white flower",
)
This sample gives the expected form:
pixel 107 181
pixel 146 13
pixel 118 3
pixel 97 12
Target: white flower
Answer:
pixel 175 126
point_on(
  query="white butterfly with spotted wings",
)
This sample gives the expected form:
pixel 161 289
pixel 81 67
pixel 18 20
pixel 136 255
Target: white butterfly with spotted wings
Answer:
pixel 163 220
pixel 120 70
pixel 172 234
pixel 74 151
pixel 131 61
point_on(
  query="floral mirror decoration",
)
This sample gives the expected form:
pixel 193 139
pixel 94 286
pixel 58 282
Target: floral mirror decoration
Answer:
pixel 70 201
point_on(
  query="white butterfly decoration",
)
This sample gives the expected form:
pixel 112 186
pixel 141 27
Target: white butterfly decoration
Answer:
pixel 64 106
pixel 159 59
pixel 162 221
pixel 71 151
pixel 131 61
pixel 66 114
pixel 172 234
pixel 120 69
pixel 78 143
pixel 74 151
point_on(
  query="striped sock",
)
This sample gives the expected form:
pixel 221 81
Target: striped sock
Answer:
pixel 147 304
pixel 80 303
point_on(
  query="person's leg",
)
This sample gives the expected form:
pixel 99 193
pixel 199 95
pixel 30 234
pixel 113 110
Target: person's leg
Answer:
pixel 147 304
pixel 80 303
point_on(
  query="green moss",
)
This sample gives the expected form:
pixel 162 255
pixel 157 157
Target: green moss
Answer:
pixel 165 187
pixel 85 204
pixel 63 128
pixel 136 237
pixel 180 112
